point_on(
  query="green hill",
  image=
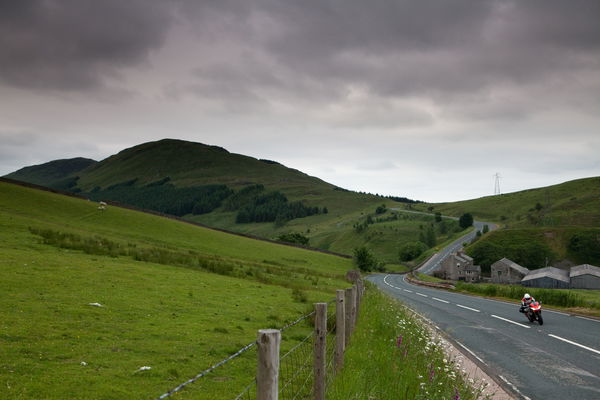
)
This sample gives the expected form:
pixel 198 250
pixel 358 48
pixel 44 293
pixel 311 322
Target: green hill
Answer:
pixel 573 203
pixel 207 184
pixel 173 296
pixel 555 225
pixel 57 174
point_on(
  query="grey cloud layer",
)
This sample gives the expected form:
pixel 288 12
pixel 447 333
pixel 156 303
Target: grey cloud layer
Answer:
pixel 391 47
pixel 75 44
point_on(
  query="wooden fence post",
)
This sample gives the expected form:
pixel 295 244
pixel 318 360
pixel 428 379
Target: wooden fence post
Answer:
pixel 361 288
pixel 353 297
pixel 267 372
pixel 347 315
pixel 320 350
pixel 340 331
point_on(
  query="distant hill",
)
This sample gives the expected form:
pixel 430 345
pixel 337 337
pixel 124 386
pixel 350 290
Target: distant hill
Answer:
pixel 54 173
pixel 557 225
pixel 573 203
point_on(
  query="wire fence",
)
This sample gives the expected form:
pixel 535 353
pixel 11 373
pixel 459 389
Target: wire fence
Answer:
pixel 296 368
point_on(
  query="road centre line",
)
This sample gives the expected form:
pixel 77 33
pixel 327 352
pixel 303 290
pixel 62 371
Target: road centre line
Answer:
pixel 421 294
pixel 574 343
pixel 406 290
pixel 512 322
pixel 470 351
pixel 443 301
pixel 468 308
pixel 556 312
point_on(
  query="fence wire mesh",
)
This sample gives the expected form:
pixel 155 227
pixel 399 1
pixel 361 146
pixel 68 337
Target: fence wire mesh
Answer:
pixel 249 392
pixel 296 366
pixel 331 345
pixel 296 370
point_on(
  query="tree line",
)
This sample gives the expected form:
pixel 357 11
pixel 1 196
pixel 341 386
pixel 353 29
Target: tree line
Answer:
pixel 252 203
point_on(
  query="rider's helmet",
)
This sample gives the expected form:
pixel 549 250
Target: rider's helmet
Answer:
pixel 527 296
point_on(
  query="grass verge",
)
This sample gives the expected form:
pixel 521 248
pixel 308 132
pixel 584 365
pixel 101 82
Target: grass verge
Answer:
pixel 393 356
pixel 575 300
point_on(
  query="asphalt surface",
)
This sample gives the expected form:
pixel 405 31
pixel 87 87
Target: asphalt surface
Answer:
pixel 559 360
pixel 434 262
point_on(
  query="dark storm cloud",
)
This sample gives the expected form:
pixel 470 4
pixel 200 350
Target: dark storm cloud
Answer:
pixel 76 44
pixel 405 48
pixel 306 48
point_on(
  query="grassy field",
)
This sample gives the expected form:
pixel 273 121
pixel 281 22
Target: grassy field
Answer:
pixel 393 356
pixel 172 315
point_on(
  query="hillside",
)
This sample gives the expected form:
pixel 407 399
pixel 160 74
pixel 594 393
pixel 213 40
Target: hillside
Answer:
pixel 210 185
pixel 169 293
pixel 573 203
pixel 557 225
pixel 54 173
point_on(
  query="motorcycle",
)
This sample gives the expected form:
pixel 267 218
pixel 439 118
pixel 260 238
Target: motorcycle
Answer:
pixel 533 312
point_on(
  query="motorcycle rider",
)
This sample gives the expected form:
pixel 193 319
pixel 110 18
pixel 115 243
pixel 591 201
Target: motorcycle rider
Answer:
pixel 525 302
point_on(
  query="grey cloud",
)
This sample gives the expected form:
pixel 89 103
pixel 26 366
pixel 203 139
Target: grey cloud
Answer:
pixel 76 44
pixel 440 50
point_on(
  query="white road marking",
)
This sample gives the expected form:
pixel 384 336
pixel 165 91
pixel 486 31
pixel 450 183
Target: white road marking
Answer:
pixel 406 290
pixel 556 312
pixel 512 322
pixel 468 308
pixel 574 343
pixel 589 319
pixel 471 352
pixel 443 301
pixel 421 294
pixel 514 387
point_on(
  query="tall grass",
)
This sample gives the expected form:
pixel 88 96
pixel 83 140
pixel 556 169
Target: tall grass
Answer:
pixel 553 297
pixel 393 356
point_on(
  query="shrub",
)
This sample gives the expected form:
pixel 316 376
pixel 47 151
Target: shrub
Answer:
pixel 294 238
pixel 364 259
pixel 465 220
pixel 411 250
pixel 584 247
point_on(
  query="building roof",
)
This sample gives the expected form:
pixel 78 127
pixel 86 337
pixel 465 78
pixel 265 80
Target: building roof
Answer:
pixel 548 272
pixel 459 258
pixel 513 265
pixel 463 255
pixel 585 269
pixel 473 268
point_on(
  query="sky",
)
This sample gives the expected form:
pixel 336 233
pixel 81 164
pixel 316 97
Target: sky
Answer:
pixel 424 99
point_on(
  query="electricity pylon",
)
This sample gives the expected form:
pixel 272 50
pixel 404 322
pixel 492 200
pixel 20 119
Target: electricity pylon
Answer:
pixel 497 184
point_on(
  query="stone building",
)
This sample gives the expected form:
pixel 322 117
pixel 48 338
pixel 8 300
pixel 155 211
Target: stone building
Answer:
pixel 459 267
pixel 549 278
pixel 585 276
pixel 508 272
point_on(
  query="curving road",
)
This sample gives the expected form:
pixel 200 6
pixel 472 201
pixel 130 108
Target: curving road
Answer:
pixel 434 262
pixel 559 360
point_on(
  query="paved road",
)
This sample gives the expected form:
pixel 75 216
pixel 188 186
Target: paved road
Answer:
pixel 559 360
pixel 434 262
